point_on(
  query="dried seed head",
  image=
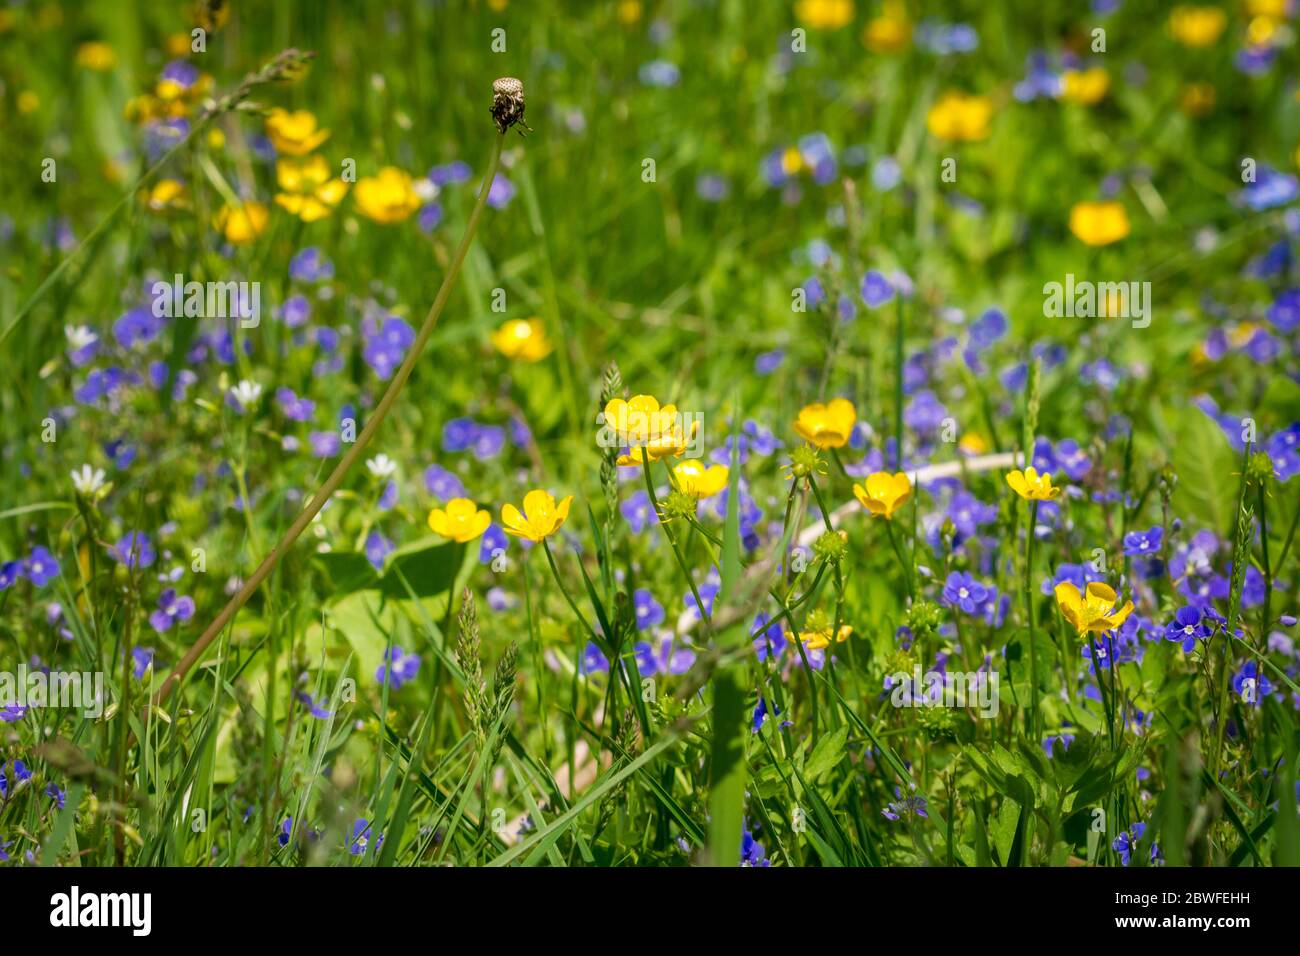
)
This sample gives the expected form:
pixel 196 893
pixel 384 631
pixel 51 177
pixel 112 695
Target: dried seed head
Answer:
pixel 508 103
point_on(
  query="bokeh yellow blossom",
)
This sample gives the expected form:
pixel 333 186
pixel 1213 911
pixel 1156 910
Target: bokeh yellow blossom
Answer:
pixel 522 339
pixel 1099 223
pixel 387 197
pixel 243 223
pixel 960 118
pixel 307 190
pixel 294 133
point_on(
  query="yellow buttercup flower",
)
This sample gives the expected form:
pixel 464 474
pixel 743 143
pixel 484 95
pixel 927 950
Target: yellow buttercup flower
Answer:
pixel 890 32
pixel 824 14
pixel 882 494
pixel 650 430
pixel 388 197
pixel 972 443
pixel 828 425
pixel 1099 223
pixel 1093 612
pixel 697 480
pixel 541 516
pixel 629 11
pixel 28 102
pixel 820 639
pixel 294 134
pixel 960 118
pixel 461 520
pixel 96 56
pixel 668 444
pixel 309 193
pixel 242 224
pixel 1197 26
pixel 166 194
pixel 637 419
pixel 1032 486
pixel 1085 86
pixel 523 339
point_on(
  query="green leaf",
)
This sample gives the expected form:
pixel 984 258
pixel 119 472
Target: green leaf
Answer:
pixel 1205 465
pixel 828 752
pixel 1004 829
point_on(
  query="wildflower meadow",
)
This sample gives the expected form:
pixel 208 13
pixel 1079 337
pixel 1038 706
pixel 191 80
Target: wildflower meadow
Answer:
pixel 649 433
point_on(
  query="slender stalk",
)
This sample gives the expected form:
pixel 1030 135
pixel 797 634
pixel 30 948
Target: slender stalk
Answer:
pixel 1032 723
pixel 355 452
pixel 573 606
pixel 898 553
pixel 672 540
pixel 1268 568
pixel 899 329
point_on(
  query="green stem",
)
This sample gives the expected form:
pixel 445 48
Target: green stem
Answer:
pixel 1031 724
pixel 591 632
pixel 672 540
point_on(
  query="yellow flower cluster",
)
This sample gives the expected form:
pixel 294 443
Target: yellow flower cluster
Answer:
pixel 306 189
pixel 651 431
pixel 168 99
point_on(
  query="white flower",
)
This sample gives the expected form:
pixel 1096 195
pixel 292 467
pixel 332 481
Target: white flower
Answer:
pixel 80 336
pixel 381 466
pixel 426 189
pixel 87 481
pixel 246 394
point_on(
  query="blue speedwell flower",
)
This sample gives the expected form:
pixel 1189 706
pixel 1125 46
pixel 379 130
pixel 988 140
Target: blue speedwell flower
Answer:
pixel 876 289
pixel 965 593
pixel 1187 627
pixel 1141 544
pixel 134 550
pixel 42 568
pixel 399 668
pixel 172 608
pixel 909 806
pixel 649 612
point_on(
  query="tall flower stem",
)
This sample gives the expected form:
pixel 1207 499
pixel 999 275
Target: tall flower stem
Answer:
pixel 672 539
pixel 573 606
pixel 1031 725
pixel 358 447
